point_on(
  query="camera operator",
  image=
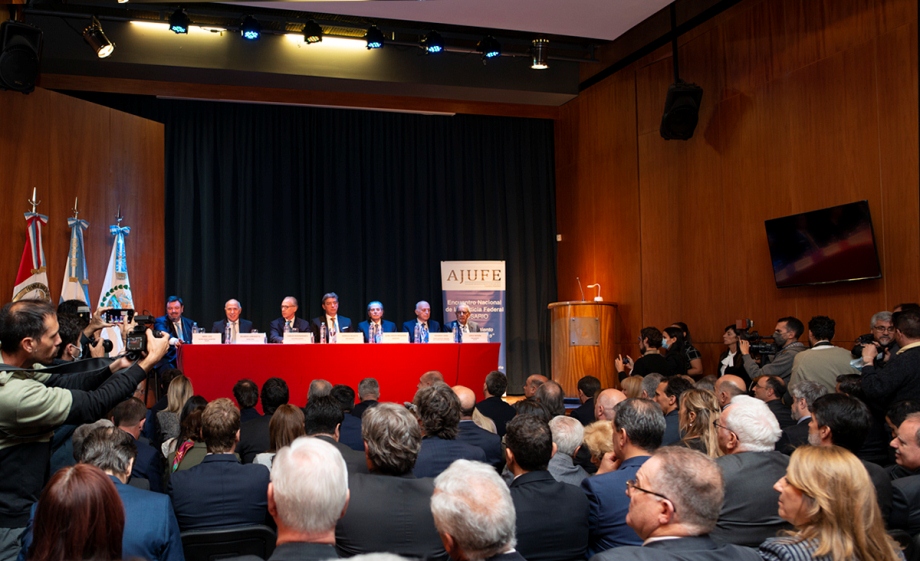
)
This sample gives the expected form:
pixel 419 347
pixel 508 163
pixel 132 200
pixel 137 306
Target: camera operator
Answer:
pixel 33 401
pixel 882 336
pixel 788 330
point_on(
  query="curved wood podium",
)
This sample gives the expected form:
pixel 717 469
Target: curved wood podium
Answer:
pixel 583 335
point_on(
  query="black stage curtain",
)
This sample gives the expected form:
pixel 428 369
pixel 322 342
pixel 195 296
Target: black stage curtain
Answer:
pixel 267 201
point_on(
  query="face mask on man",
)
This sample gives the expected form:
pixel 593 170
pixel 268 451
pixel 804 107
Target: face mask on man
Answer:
pixel 778 339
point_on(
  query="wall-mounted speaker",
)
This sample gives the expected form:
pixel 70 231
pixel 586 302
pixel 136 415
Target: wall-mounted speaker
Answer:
pixel 681 111
pixel 20 54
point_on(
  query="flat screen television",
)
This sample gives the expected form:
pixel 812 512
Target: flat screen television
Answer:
pixel 833 244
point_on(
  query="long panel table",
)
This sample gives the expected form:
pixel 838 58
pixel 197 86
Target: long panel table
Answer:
pixel 213 369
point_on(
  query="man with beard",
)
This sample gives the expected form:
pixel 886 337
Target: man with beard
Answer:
pixel 786 336
pixel 882 336
pixel 651 360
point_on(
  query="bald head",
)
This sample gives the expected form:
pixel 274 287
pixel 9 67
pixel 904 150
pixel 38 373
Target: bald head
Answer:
pixel 467 401
pixel 430 378
pixel 605 402
pixel 727 387
pixel 533 382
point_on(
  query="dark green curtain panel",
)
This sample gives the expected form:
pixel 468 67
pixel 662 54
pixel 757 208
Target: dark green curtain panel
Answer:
pixel 268 201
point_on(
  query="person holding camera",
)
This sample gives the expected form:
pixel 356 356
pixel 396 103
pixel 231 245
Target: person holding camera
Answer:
pixel 786 336
pixel 882 336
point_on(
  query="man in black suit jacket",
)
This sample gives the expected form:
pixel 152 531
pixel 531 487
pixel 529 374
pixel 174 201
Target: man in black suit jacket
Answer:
pixel 770 390
pixel 246 393
pixel 391 511
pixel 422 318
pixel 463 322
pixel 287 322
pixel 254 435
pixel 804 393
pixel 176 325
pixel 471 433
pixel 130 416
pixel 492 406
pixel 474 513
pixel 331 319
pixel 323 419
pixel 368 393
pixel 438 410
pixel 375 320
pixel 588 386
pixel 673 502
pixel 232 309
pixel 535 492
pixel 200 495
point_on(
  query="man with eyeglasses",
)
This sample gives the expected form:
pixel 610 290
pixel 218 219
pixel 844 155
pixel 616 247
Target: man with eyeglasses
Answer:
pixel 288 322
pixel 786 337
pixel 881 335
pixel 823 362
pixel 900 379
pixel 674 502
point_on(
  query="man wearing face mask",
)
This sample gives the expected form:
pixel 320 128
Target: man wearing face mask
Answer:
pixel 650 340
pixel 788 330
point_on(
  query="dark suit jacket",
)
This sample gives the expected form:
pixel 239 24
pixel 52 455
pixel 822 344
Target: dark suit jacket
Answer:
pixel 254 438
pixel 549 538
pixel 350 433
pixel 585 412
pixel 905 504
pixel 608 505
pixel 510 556
pixel 884 490
pixel 365 326
pixel 409 327
pixel 389 513
pixel 219 327
pixel 355 461
pixel 437 454
pixel 749 514
pixel 315 323
pixel 276 328
pixel 474 327
pixel 497 410
pixel 671 428
pixel 697 548
pixel 490 442
pixel 782 412
pixel 793 437
pixel 149 465
pixel 163 324
pixel 220 492
pixel 296 551
pixel 248 414
pixel 360 408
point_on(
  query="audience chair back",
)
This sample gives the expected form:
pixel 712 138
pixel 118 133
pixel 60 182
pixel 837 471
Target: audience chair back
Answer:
pixel 212 544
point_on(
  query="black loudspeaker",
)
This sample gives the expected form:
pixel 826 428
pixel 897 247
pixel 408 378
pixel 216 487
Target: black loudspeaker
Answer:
pixel 20 52
pixel 681 111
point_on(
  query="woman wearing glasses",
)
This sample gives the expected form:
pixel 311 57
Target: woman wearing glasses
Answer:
pixel 827 495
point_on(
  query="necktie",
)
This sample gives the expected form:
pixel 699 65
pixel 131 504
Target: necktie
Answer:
pixel 178 325
pixel 234 331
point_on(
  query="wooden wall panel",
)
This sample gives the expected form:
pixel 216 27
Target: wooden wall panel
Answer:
pixel 69 148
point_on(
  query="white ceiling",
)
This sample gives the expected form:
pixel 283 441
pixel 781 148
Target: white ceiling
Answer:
pixel 596 19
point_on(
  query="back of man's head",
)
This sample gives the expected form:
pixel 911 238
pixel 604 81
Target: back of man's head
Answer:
pixel 319 388
pixel 650 384
pixel 274 394
pixel 552 396
pixel 322 415
pixel 20 320
pixel 774 383
pixel 822 328
pixel 438 411
pixel 754 424
pixel 81 432
pixel 129 413
pixel 220 422
pixel 530 440
pixel 393 438
pixel 727 387
pixel 430 378
pixel 345 396
pixel 532 407
pixel 309 486
pixel 109 449
pixel 651 336
pixel 496 383
pixel 808 390
pixel 693 483
pixel 467 400
pixel 643 422
pixel 246 393
pixel 906 321
pixel 473 506
pixel 568 434
pixel 847 418
pixel 368 389
pixel 589 385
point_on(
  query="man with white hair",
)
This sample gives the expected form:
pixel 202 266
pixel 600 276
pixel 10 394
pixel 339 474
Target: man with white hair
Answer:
pixel 747 433
pixel 568 434
pixel 474 514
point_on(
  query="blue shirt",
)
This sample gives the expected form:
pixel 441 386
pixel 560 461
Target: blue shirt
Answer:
pixel 608 507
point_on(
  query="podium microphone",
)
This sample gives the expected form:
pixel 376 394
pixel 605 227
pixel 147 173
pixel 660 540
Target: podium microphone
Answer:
pixel 581 289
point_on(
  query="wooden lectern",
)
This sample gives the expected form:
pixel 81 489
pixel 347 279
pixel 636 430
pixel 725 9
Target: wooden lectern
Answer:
pixel 583 334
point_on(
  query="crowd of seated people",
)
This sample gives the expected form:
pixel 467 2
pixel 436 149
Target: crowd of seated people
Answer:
pixel 805 456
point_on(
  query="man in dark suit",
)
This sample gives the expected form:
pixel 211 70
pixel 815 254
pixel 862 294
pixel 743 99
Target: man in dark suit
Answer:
pixel 233 322
pixel 254 435
pixel 323 419
pixel 376 323
pixel 176 325
pixel 331 319
pixel 492 406
pixel 368 393
pixel 673 503
pixel 474 514
pixel 246 393
pixel 288 322
pixel 668 398
pixel 534 491
pixel 130 416
pixel 423 320
pixel 350 429
pixel 471 433
pixel 438 410
pixel 905 507
pixel 200 495
pixel 391 511
pixel 747 433
pixel 588 386
pixel 770 390
pixel 463 322
pixel 804 393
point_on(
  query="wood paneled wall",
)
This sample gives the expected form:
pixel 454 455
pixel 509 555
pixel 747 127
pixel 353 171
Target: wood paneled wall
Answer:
pixel 68 148
pixel 806 105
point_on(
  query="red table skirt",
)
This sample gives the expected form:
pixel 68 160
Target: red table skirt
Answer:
pixel 214 369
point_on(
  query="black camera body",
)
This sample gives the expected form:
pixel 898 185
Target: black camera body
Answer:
pixel 136 341
pixel 759 345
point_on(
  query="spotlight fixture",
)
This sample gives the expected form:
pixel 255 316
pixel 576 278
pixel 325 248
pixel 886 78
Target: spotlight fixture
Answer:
pixel 179 21
pixel 540 50
pixel 432 43
pixel 312 32
pixel 489 47
pixel 374 38
pixel 95 38
pixel 250 28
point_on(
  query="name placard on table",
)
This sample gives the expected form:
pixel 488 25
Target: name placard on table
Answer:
pixel 250 338
pixel 298 338
pixel 441 337
pixel 206 338
pixel 399 337
pixel 481 337
pixel 350 338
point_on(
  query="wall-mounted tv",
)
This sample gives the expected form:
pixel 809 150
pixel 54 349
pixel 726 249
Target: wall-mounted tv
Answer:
pixel 833 244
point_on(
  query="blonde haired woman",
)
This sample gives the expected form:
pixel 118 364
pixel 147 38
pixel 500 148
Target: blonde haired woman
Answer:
pixel 699 409
pixel 180 389
pixel 827 495
pixel 599 440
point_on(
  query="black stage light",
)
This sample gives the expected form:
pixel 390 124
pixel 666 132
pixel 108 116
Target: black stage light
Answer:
pixel 312 32
pixel 681 111
pixel 95 38
pixel 432 43
pixel 20 54
pixel 250 28
pixel 489 47
pixel 374 38
pixel 179 21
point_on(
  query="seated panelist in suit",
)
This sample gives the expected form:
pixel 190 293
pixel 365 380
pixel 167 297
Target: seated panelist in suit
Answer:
pixel 176 325
pixel 375 320
pixel 331 318
pixel 423 318
pixel 287 322
pixel 463 321
pixel 232 308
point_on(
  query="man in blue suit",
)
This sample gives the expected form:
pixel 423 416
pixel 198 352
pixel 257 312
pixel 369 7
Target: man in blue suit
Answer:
pixel 331 319
pixel 287 322
pixel 439 416
pixel 232 309
pixel 471 433
pixel 375 320
pixel 423 318
pixel 176 325
pixel 130 416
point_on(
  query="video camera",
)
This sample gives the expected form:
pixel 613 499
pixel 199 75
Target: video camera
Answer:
pixel 759 345
pixel 136 341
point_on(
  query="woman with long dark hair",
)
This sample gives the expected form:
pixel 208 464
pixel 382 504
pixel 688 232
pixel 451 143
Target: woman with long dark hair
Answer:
pixel 673 341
